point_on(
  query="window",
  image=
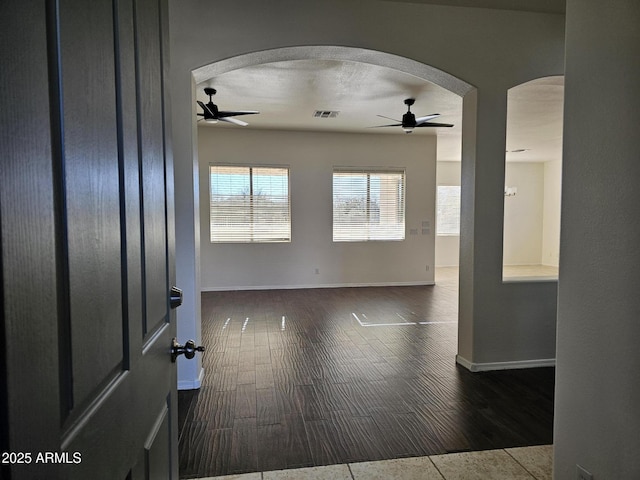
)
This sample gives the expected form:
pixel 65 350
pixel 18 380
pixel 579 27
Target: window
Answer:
pixel 448 210
pixel 368 205
pixel 249 204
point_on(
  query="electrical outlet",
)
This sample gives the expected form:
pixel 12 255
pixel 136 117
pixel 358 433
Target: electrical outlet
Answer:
pixel 317 271
pixel 583 474
pixel 427 268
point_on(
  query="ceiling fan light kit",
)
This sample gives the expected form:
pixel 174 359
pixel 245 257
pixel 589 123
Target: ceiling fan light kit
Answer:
pixel 409 119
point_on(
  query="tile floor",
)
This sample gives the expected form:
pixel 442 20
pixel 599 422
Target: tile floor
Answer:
pixel 524 463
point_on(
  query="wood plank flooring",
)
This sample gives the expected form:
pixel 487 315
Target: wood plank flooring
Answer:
pixel 297 378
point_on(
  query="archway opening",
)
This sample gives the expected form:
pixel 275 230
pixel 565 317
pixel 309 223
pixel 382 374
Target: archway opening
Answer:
pixel 533 168
pixel 255 359
pixel 314 80
pixel 270 336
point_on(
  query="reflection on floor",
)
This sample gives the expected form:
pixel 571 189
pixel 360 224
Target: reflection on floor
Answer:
pixel 308 378
pixel 526 463
pixel 528 272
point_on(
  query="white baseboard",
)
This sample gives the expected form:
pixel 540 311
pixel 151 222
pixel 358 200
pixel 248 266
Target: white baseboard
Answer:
pixel 191 384
pixel 485 367
pixel 538 279
pixel 326 285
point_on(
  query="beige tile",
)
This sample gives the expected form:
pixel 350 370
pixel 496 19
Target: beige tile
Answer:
pixel 417 468
pixel 489 464
pixel 329 472
pixel 244 476
pixel 537 460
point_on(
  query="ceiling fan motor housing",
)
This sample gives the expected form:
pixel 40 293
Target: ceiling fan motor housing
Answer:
pixel 408 121
pixel 213 108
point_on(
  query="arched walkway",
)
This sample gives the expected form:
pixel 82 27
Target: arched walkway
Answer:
pixel 350 54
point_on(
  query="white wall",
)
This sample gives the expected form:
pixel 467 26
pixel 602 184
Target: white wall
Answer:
pixel 531 218
pixel 311 158
pixel 523 214
pixel 597 402
pixel 551 216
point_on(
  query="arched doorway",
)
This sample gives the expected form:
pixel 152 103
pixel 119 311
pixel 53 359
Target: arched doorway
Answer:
pixel 408 67
pixel 350 54
pixel 303 393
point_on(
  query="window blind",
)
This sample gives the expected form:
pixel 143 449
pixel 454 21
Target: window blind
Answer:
pixel 448 210
pixel 368 205
pixel 249 204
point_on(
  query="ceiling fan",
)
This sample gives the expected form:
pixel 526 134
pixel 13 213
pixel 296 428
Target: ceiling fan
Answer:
pixel 211 114
pixel 409 120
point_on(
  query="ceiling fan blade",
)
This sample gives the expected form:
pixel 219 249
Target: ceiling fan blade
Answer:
pixel 426 118
pixel 222 114
pixel 433 124
pixel 388 118
pixel 234 121
pixel 392 125
pixel 206 110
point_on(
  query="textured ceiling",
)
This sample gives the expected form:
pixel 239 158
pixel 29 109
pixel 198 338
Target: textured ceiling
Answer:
pixel 288 93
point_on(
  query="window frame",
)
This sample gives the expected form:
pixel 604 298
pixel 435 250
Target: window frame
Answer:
pixel 253 239
pixel 369 171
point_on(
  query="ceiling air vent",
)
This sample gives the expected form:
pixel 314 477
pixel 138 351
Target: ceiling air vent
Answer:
pixel 325 114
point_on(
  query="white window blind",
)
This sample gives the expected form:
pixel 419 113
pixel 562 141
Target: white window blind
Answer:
pixel 249 204
pixel 368 205
pixel 448 210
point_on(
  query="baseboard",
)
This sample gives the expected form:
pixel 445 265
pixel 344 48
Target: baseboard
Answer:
pixel 326 285
pixel 485 367
pixel 538 279
pixel 191 384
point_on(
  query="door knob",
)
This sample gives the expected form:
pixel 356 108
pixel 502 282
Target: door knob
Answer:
pixel 189 349
pixel 175 297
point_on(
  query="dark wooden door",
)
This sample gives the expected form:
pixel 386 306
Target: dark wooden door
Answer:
pixel 88 388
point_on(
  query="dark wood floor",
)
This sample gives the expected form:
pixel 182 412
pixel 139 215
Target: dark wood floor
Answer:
pixel 299 378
